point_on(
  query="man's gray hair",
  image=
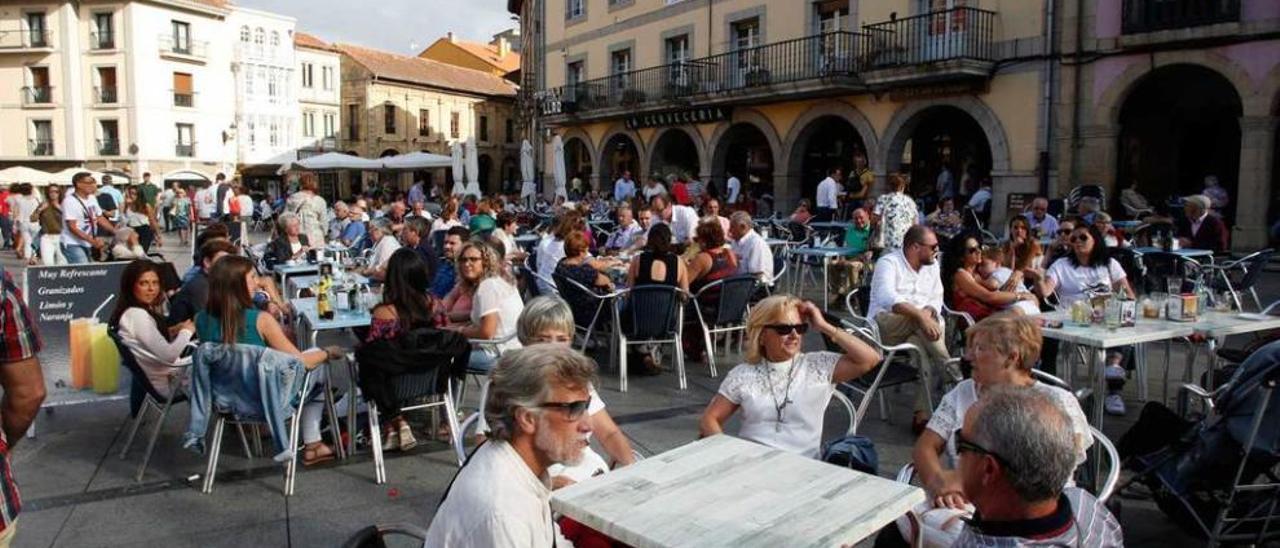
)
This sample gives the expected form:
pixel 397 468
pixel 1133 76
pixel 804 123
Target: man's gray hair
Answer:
pixel 524 378
pixel 543 313
pixel 1032 434
pixel 1201 201
pixel 742 218
pixel 381 223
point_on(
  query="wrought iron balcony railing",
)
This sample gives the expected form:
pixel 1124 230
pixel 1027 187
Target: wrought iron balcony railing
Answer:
pixel 23 38
pixel 181 99
pixel 102 39
pixel 185 150
pixel 37 95
pixel 186 48
pixel 106 95
pixel 944 35
pixel 108 147
pixel 1153 15
pixel 841 57
pixel 40 147
pixel 829 55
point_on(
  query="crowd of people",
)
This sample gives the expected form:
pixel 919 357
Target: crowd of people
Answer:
pixel 1000 443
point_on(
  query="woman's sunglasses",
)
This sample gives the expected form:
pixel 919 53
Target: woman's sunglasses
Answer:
pixel 1080 238
pixel 788 328
pixel 974 249
pixel 573 409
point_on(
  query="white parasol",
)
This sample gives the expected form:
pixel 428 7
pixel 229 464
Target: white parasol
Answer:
pixel 473 169
pixel 557 166
pixel 528 187
pixel 456 155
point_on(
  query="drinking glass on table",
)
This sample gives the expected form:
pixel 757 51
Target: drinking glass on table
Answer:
pixel 1174 285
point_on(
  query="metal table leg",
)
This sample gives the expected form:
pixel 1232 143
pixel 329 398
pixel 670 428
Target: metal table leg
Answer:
pixel 1097 362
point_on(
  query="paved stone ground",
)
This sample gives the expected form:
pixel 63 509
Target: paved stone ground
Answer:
pixel 78 492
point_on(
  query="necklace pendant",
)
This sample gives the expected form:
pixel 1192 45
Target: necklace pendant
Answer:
pixel 777 426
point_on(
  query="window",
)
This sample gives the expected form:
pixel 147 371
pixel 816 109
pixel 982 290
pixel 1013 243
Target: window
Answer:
pixel 183 90
pixel 308 76
pixel 109 143
pixel 274 135
pixel 253 135
pixel 511 133
pixel 484 129
pixel 746 33
pixel 831 15
pixel 38 32
pixel 575 73
pixel 308 124
pixel 326 75
pixel 248 82
pixel 259 36
pixel 42 138
pixel 677 55
pixel 272 85
pixel 103 37
pixel 181 37
pixel 619 66
pixel 424 123
pixel 353 122
pixel 107 85
pixel 330 124
pixel 455 123
pixel 186 146
pixel 40 91
pixel 275 39
pixel 575 9
pixel 244 33
pixel 389 119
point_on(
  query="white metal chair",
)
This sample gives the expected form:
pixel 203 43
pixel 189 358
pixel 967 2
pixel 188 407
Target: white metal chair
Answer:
pixel 729 313
pixel 477 345
pixel 291 467
pixel 152 400
pixel 915 359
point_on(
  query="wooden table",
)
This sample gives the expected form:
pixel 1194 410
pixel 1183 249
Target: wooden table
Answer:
pixel 724 491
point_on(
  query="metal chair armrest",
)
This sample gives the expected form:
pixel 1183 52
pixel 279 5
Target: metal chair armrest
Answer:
pixel 491 342
pixel 906 473
pixel 1205 395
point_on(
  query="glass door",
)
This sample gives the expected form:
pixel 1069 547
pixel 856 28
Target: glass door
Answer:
pixel 946 29
pixel 746 36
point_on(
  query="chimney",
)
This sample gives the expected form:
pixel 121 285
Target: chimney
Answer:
pixel 504 47
pixel 452 39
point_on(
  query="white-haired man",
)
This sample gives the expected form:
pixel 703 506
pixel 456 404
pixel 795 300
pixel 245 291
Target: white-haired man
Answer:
pixel 537 413
pixel 1041 221
pixel 1201 228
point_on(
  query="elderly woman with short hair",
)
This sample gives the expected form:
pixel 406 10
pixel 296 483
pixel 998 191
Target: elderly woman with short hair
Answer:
pixel 1003 349
pixel 290 243
pixel 549 320
pixel 782 392
pixel 384 245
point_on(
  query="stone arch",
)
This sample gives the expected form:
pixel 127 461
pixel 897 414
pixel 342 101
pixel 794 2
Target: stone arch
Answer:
pixel 694 135
pixel 577 133
pixel 750 117
pixel 840 110
pixel 905 120
pixel 1111 102
pixel 388 153
pixel 602 168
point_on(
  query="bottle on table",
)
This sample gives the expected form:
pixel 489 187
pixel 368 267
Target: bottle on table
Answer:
pixel 324 301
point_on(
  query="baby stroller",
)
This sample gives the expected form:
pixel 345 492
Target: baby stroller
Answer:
pixel 1218 479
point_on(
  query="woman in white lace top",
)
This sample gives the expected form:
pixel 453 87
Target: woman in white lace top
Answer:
pixel 781 391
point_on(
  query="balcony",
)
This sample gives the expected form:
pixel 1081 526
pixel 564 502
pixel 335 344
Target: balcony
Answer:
pixel 949 46
pixel 37 95
pixel 106 95
pixel 194 51
pixel 806 65
pixel 1154 15
pixel 40 147
pixel 108 147
pixel 942 45
pixel 102 40
pixel 185 150
pixel 186 100
pixel 25 40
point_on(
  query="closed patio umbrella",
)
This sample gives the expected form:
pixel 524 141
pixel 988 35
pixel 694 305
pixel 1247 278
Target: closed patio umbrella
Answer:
pixel 455 152
pixel 473 169
pixel 557 166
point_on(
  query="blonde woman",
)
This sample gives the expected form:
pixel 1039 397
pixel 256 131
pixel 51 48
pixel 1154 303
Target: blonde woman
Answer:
pixel 495 305
pixel 781 391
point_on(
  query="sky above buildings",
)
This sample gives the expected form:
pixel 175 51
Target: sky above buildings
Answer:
pixel 401 26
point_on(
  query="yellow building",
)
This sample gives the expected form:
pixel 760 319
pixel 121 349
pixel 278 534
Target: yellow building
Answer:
pixel 778 91
pixel 498 57
pixel 394 104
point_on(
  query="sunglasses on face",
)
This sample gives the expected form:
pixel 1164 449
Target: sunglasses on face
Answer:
pixel 572 409
pixel 469 259
pixel 933 247
pixel 1064 231
pixel 788 328
pixel 1080 238
pixel 967 446
pixel 973 249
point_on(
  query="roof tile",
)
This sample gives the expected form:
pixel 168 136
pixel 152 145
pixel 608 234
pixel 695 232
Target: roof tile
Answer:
pixel 427 72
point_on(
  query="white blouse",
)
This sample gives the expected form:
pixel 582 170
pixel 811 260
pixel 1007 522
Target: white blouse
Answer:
pixel 155 354
pixel 949 416
pixel 783 404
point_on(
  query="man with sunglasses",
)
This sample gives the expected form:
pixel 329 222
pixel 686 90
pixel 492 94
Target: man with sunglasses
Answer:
pixel 537 411
pixel 1016 451
pixel 906 303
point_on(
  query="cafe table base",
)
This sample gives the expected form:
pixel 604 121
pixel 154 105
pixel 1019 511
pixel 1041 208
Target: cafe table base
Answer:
pixel 724 491
pixel 305 308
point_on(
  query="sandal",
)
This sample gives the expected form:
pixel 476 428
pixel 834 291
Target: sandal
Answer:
pixel 407 441
pixel 312 455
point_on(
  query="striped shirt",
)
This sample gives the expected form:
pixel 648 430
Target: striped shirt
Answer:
pixel 1091 525
pixel 19 340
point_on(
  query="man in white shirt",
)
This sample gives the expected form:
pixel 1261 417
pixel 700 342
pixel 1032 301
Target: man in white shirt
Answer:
pixel 166 204
pixel 624 188
pixel 828 196
pixel 981 200
pixel 906 303
pixel 1041 221
pixel 754 255
pixel 683 219
pixel 501 496
pixel 654 188
pixel 384 245
pixel 205 202
pixel 82 218
pixel 734 190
